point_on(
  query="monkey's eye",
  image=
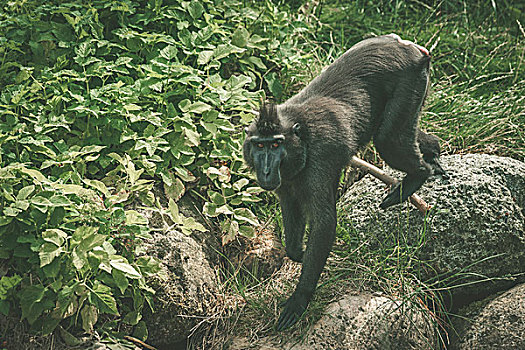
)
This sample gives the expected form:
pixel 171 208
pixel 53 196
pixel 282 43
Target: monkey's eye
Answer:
pixel 260 145
pixel 275 145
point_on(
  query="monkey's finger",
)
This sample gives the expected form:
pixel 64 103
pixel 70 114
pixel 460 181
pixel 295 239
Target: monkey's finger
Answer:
pixel 289 320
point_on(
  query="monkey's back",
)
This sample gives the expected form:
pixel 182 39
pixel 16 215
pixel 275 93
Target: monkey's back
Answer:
pixel 360 82
pixel 370 65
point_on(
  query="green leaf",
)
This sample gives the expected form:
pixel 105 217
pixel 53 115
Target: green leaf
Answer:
pixel 120 280
pixel 78 260
pixel 41 201
pixel 11 211
pixel 199 107
pixel 55 235
pixel 175 190
pixel 30 297
pixel 210 209
pixel 23 205
pixel 4 307
pixel 169 53
pixel 102 298
pixel 98 185
pixel 239 184
pixel 141 331
pixel 58 200
pixel 89 316
pixel 274 85
pixel 223 174
pixel 232 230
pixel 192 136
pixel 68 338
pixel 240 37
pixel 190 224
pixel 135 218
pixel 121 264
pixel 48 252
pixel 25 192
pixel 216 198
pixel 35 174
pixel 204 57
pixel 5 220
pixel 247 231
pixel 245 215
pixel 73 189
pixel 148 265
pixel 225 50
pixel 174 212
pixel 257 62
pixel 7 283
pixel 195 9
pixel 132 318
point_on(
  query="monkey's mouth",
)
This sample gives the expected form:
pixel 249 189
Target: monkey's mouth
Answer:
pixel 269 185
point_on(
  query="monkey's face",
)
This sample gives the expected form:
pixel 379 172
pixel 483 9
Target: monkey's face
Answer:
pixel 265 154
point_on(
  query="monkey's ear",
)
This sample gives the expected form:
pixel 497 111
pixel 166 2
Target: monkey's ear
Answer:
pixel 246 130
pixel 296 128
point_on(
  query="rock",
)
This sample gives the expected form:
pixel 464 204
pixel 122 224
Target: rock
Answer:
pixel 498 324
pixel 473 238
pixel 187 287
pixel 258 256
pixel 361 322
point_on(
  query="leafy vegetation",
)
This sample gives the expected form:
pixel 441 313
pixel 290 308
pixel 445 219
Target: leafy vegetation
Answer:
pixel 101 101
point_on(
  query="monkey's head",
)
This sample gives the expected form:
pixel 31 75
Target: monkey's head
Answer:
pixel 272 149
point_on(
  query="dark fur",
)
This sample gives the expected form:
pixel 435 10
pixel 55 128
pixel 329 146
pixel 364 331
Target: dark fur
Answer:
pixel 374 90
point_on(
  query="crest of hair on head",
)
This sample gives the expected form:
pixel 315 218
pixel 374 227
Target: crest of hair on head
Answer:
pixel 268 121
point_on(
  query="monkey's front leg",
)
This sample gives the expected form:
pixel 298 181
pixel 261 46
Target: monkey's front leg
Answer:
pixel 320 240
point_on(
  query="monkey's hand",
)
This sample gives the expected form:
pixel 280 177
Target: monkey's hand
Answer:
pixel 294 307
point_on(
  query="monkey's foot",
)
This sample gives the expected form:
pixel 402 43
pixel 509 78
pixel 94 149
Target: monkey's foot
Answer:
pixel 437 169
pixel 294 307
pixel 404 189
pixel 394 197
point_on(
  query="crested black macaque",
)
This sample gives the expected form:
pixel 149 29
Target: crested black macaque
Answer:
pixel 298 149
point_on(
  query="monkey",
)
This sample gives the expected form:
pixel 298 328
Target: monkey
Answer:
pixel 299 148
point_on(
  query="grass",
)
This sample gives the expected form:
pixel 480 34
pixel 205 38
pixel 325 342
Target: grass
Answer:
pixel 476 104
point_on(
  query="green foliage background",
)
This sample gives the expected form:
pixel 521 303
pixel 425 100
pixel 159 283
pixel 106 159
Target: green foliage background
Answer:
pixel 99 101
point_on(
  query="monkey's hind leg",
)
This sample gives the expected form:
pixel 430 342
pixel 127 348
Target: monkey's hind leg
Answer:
pixel 406 158
pixel 396 138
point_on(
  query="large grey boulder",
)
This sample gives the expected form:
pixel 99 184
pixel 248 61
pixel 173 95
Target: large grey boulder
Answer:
pixel 360 322
pixel 495 323
pixel 186 288
pixel 472 239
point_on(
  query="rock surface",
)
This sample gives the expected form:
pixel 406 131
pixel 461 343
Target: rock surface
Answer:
pixel 474 232
pixel 495 323
pixel 360 322
pixel 186 287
